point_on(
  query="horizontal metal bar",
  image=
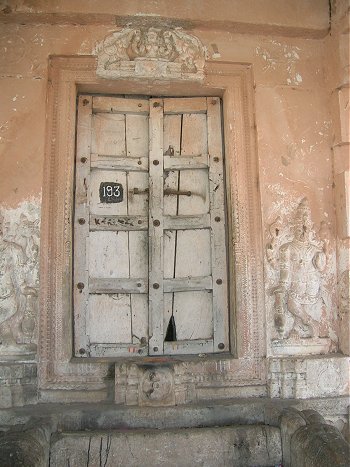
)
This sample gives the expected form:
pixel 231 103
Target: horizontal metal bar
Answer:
pixel 137 191
pixel 170 192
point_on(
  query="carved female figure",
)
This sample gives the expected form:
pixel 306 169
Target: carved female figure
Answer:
pixel 301 262
pixel 12 283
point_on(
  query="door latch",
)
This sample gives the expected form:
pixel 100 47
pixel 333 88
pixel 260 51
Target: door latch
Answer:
pixel 169 192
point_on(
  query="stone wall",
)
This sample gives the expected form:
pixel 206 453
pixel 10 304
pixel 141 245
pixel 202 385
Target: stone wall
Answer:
pixel 300 71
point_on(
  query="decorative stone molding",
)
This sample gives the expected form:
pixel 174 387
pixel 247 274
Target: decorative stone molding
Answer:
pixel 156 387
pixel 243 371
pixel 298 255
pixel 184 383
pixel 344 288
pixel 303 378
pixel 151 53
pixel 145 386
pixel 19 279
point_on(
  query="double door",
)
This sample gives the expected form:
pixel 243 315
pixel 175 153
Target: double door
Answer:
pixel 150 269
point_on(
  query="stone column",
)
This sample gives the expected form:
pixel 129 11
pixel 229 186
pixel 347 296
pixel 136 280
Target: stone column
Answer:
pixel 340 97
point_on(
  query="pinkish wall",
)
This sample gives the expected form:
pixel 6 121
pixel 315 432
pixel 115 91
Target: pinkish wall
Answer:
pixel 294 126
pixel 296 68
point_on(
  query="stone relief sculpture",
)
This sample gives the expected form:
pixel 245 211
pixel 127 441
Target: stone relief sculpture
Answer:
pixel 19 281
pixel 156 386
pixel 151 53
pixel 299 256
pixel 344 287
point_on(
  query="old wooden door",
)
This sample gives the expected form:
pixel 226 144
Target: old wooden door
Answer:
pixel 150 272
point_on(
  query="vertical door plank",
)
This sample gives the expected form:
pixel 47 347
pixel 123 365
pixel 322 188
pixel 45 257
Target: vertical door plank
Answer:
pixel 194 135
pixel 171 182
pixel 136 135
pixel 81 223
pixel 138 256
pixel 108 135
pixel 172 147
pixel 217 212
pixel 156 227
pixel 172 134
pixel 169 253
pixel 138 253
pixel 192 245
pixel 139 319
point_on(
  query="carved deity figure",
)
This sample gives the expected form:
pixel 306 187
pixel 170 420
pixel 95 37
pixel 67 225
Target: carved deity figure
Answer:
pixel 183 51
pixel 13 286
pixel 298 293
pixel 114 49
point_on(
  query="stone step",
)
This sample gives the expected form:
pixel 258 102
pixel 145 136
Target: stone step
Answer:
pixel 248 445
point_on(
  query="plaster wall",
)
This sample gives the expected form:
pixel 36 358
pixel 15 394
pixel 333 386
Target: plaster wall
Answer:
pixel 296 67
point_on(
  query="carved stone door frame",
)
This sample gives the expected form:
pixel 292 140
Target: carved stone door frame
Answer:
pixel 245 367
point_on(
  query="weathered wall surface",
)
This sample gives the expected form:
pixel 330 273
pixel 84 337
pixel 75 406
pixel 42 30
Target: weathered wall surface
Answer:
pixel 302 143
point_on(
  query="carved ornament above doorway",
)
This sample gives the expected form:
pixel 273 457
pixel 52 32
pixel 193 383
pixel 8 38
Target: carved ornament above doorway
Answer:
pixel 151 53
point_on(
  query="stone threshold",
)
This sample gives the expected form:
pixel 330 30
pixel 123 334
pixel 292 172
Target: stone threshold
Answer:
pixel 108 416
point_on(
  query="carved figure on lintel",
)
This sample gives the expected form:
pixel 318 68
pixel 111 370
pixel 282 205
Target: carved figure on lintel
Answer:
pixel 300 262
pixel 18 294
pixel 151 52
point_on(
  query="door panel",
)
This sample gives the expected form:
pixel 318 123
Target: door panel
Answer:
pixel 108 254
pixel 192 312
pixel 194 135
pixel 108 135
pixel 109 318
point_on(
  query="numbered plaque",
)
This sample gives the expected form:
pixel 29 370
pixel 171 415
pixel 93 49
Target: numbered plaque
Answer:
pixel 111 192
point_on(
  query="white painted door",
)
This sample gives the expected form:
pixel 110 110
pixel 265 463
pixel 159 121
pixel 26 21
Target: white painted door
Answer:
pixel 150 272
